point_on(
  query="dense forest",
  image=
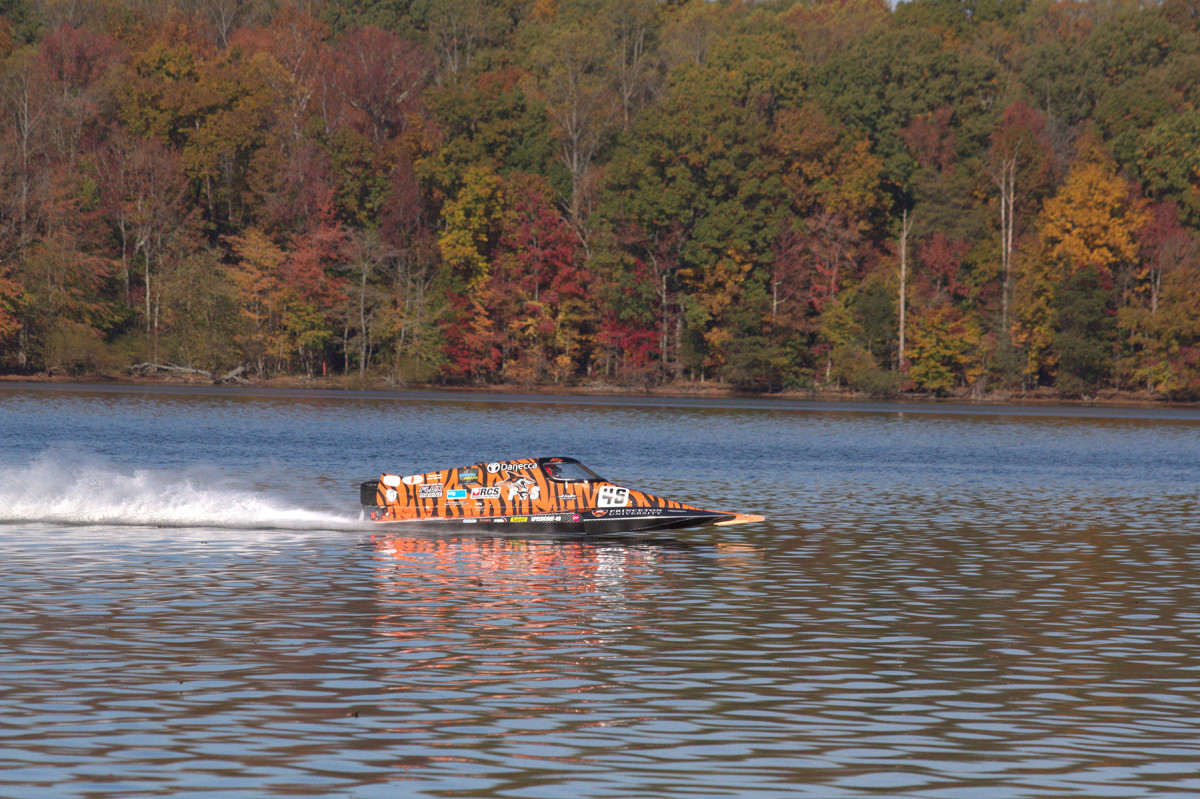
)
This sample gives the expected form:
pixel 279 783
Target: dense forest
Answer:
pixel 945 196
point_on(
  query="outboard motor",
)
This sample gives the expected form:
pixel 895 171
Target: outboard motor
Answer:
pixel 368 497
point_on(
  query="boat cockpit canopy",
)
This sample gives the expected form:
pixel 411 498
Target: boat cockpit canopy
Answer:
pixel 567 470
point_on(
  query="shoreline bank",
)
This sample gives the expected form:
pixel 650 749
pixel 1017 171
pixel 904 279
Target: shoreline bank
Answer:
pixel 707 390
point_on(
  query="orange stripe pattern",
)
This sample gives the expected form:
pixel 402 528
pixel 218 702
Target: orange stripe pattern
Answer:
pixel 512 489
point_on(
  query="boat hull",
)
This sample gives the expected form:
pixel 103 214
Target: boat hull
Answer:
pixel 568 523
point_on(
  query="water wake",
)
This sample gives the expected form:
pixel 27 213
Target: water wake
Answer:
pixel 86 490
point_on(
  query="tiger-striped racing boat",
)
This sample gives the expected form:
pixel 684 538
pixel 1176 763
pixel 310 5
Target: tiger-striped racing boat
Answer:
pixel 558 495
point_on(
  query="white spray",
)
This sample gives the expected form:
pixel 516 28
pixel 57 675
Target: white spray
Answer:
pixel 73 489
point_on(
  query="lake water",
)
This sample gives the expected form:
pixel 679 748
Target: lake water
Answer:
pixel 943 601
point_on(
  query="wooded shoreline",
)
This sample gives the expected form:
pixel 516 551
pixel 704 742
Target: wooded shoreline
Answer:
pixel 680 390
pixel 933 198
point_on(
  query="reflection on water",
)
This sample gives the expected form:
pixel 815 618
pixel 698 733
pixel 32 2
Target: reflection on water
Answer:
pixel 516 594
pixel 938 606
pixel 931 664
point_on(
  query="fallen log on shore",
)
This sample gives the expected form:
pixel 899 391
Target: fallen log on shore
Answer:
pixel 232 376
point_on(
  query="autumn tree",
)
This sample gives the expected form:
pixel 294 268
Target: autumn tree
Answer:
pixel 1089 235
pixel 459 29
pixel 945 350
pixel 1020 165
pixel 25 100
pixel 1159 323
pixel 1169 162
pixel 236 119
pixel 827 27
pixel 200 315
pixel 142 189
pixel 380 77
pixel 538 285
pixel 568 71
pixel 471 227
pixel 885 79
pixel 634 29
pixel 490 119
pixel 1063 78
pixel 255 274
pixel 10 296
pixel 676 185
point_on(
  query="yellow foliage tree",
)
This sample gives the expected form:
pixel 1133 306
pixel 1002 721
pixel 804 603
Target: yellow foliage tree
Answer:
pixel 718 293
pixel 1093 220
pixel 827 167
pixel 470 225
pixel 945 350
pixel 1091 223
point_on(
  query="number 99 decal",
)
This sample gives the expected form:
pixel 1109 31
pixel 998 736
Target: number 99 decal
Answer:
pixel 612 497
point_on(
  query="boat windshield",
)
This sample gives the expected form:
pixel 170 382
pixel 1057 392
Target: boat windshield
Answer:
pixel 569 471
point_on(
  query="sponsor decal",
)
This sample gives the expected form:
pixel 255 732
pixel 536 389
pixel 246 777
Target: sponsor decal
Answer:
pixel 599 513
pixel 485 492
pixel 521 487
pixel 500 521
pixel 390 495
pixel 566 497
pixel 575 517
pixel 390 480
pixel 413 479
pixel 429 492
pixel 612 497
pixel 516 519
pixel 468 476
pixel 543 518
pixel 456 493
pixel 470 521
pixel 495 468
pixel 636 511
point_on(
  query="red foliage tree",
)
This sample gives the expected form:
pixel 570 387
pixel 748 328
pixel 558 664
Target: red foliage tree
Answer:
pixel 941 261
pixel 380 77
pixel 314 252
pixel 529 317
pixel 931 140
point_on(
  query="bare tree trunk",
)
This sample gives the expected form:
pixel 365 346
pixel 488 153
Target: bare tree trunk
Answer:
pixel 1155 288
pixel 124 256
pixel 1005 179
pixel 678 346
pixel 147 281
pixel 28 120
pixel 362 319
pixel 662 306
pixel 905 227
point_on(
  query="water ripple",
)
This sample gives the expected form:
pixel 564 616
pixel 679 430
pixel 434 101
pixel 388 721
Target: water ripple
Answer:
pixel 937 606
